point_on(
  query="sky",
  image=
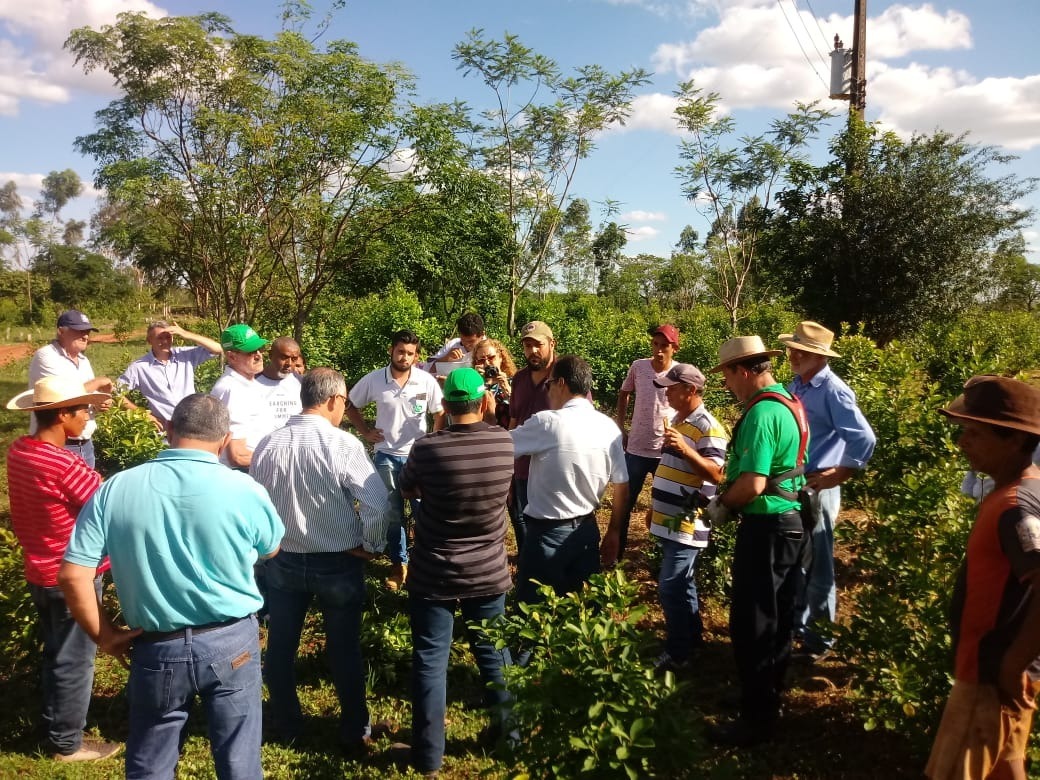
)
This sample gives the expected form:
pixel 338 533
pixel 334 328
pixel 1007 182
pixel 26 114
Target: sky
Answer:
pixel 957 66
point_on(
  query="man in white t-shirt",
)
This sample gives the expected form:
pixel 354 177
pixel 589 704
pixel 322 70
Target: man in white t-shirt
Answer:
pixel 403 394
pixel 244 397
pixel 456 352
pixel 280 380
pixel 645 436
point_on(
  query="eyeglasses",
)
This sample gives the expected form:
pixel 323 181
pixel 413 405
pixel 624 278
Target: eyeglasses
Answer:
pixel 486 358
pixel 340 395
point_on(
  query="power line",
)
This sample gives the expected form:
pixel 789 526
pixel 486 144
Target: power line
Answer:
pixel 826 86
pixel 823 35
pixel 809 35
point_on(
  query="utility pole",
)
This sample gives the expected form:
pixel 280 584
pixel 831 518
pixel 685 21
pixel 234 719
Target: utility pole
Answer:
pixel 858 93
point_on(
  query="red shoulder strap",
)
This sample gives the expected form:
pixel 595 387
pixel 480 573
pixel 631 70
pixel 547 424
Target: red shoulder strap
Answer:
pixel 796 408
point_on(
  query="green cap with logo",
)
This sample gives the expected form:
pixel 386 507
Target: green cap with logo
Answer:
pixel 463 384
pixel 242 338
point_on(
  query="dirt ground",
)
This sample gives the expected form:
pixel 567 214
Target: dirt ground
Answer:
pixel 9 353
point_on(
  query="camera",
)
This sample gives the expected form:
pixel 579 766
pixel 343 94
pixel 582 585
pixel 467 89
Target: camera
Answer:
pixel 490 372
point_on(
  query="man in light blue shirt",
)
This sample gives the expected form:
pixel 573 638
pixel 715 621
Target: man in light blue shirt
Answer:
pixel 841 442
pixel 182 532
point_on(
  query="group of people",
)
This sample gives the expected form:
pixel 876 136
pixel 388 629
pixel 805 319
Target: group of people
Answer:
pixel 262 486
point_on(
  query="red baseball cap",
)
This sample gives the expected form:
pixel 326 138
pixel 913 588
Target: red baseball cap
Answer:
pixel 670 333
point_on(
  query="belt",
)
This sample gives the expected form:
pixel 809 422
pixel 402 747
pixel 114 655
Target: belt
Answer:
pixel 573 522
pixel 182 633
pixel 77 442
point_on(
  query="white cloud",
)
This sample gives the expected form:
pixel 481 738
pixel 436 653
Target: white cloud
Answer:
pixel 655 111
pixel 31 184
pixel 643 233
pixel 644 216
pixel 34 65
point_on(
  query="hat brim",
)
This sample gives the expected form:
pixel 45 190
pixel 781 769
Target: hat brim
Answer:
pixel 666 382
pixel 788 339
pixel 250 346
pixel 742 358
pixel 958 411
pixel 23 402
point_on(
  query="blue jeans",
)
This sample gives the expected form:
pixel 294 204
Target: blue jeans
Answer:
pixel 293 580
pixel 639 468
pixel 222 667
pixel 516 516
pixel 432 625
pixel 562 555
pixel 389 468
pixel 818 602
pixel 85 449
pixel 67 669
pixel 677 589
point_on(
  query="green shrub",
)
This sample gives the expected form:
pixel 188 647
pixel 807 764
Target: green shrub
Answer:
pixel 586 705
pixel 18 638
pixel 125 438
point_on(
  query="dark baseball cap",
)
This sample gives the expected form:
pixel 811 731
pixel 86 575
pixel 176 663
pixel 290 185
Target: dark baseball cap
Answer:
pixel 76 320
pixel 682 374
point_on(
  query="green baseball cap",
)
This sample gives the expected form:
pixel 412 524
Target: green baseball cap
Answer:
pixel 242 338
pixel 463 384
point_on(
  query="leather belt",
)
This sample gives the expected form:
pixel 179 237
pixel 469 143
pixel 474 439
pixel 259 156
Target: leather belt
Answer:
pixel 182 633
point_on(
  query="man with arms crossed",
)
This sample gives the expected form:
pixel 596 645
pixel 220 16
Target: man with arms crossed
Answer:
pixel 644 439
pixel 575 452
pixel 314 472
pixel 996 609
pixel 403 394
pixel 183 533
pixel 166 374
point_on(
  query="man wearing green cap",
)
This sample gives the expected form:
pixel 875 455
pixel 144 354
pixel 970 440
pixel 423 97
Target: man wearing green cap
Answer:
pixel 244 397
pixel 462 474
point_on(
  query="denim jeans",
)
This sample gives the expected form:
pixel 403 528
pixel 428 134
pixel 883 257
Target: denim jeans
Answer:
pixel 67 669
pixel 85 449
pixel 818 602
pixel 677 589
pixel 639 468
pixel 389 468
pixel 516 516
pixel 222 667
pixel 337 580
pixel 563 556
pixel 432 625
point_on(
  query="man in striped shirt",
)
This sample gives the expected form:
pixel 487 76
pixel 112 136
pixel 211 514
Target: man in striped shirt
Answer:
pixel 693 454
pixel 459 561
pixel 314 472
pixel 49 484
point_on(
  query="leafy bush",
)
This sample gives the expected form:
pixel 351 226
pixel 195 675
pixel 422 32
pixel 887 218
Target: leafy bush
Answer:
pixel 125 438
pixel 586 705
pixel 18 638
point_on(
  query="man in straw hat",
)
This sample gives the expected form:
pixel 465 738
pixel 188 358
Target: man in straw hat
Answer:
pixel 996 613
pixel 48 485
pixel 842 443
pixel 761 486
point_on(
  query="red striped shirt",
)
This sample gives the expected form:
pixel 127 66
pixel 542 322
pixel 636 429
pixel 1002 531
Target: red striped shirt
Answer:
pixel 48 486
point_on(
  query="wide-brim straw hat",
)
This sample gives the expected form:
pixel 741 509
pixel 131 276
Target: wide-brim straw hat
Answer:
pixel 812 337
pixel 998 400
pixel 55 392
pixel 741 348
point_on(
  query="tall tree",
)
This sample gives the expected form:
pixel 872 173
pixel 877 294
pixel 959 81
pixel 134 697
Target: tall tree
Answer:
pixel 1015 281
pixel 891 233
pixel 542 124
pixel 733 186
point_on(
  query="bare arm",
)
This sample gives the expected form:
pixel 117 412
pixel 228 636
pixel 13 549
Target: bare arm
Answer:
pixel 77 583
pixel 611 544
pixel 621 413
pixel 747 487
pixel 369 434
pixel 213 347
pixel 828 478
pixel 440 420
pixel 1014 684
pixel 705 468
pixel 238 454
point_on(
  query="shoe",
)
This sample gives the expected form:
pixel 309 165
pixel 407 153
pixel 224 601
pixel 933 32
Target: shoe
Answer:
pixel 398 574
pixel 92 749
pixel 807 657
pixel 740 733
pixel 665 663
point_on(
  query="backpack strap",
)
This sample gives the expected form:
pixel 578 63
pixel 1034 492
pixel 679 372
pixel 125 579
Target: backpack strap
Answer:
pixel 796 408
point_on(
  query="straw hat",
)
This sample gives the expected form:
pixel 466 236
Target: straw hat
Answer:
pixel 741 348
pixel 812 337
pixel 998 400
pixel 55 392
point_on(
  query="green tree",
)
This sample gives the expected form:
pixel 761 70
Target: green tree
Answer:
pixel 733 186
pixel 1016 281
pixel 533 144
pixel 79 277
pixel 891 233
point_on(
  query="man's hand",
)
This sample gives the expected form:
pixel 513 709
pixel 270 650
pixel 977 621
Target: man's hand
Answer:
pixel 374 435
pixel 1015 687
pixel 674 439
pixel 716 512
pixel 117 642
pixel 156 422
pixel 609 547
pixel 362 553
pixel 175 330
pixel 828 478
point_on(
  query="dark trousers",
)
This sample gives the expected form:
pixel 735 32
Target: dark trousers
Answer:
pixel 766 579
pixel 639 468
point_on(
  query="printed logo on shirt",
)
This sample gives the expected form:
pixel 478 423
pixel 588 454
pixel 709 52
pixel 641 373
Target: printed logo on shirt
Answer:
pixel 419 404
pixel 1028 529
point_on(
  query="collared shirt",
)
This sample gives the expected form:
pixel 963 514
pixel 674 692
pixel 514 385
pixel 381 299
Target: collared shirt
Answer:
pixel 165 384
pixel 436 364
pixel 313 472
pixel 646 430
pixel 183 533
pixel 675 476
pixel 839 433
pixel 527 399
pixel 400 411
pixel 575 451
pixel 283 397
pixel 53 360
pixel 246 402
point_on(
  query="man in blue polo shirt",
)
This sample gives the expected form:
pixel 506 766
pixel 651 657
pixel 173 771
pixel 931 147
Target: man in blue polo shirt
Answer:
pixel 166 374
pixel 182 533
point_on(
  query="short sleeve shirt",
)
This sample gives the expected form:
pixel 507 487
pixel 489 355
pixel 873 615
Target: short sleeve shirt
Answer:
pixel 283 397
pixel 400 410
pixel 527 399
pixel 52 360
pixel 646 431
pixel 765 442
pixel 165 384
pixel 246 401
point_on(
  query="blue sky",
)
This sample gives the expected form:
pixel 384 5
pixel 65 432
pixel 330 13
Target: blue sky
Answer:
pixel 959 66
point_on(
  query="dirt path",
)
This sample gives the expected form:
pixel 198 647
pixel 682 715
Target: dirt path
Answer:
pixel 9 353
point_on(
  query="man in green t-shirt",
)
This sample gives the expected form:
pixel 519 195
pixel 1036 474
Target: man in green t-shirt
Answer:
pixel 770 542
